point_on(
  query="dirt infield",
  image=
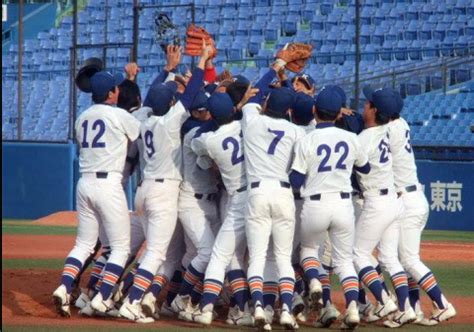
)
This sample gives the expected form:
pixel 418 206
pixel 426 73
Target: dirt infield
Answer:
pixel 63 218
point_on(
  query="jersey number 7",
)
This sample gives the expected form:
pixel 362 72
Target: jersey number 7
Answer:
pixel 279 135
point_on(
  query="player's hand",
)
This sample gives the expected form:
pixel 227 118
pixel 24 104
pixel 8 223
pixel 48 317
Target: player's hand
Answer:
pixel 347 111
pixel 282 74
pixel 206 50
pixel 131 70
pixel 251 92
pixel 173 57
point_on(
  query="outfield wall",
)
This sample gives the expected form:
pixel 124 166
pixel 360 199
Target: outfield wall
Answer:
pixel 39 179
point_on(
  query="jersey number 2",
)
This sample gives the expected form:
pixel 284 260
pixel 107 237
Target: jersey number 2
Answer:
pixel 97 125
pixel 235 159
pixel 326 149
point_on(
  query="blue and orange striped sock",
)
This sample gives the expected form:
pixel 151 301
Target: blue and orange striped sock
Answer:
pixel 430 286
pixel 96 272
pixel 240 287
pixel 196 293
pixel 159 282
pixel 400 283
pixel 310 267
pixel 287 287
pixel 173 286
pixel 256 290
pixel 326 285
pixel 71 269
pixel 112 273
pixel 299 281
pixel 211 291
pixel 141 282
pixel 381 277
pixel 370 278
pixel 270 293
pixel 413 292
pixel 190 279
pixel 350 285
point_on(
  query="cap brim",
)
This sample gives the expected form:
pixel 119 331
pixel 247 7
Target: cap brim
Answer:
pixel 368 92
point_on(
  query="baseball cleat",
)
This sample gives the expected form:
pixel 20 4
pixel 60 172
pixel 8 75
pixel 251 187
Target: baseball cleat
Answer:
pixel 239 317
pixel 351 318
pixel 166 310
pixel 61 301
pixel 101 305
pixel 441 315
pixel 149 306
pixel 365 309
pixel 401 318
pixel 87 310
pixel 133 311
pixel 381 311
pixel 327 316
pixel 118 292
pixel 203 317
pixel 180 303
pixel 82 301
pixel 259 318
pixel 267 327
pixel 315 293
pixel 298 304
pixel 288 321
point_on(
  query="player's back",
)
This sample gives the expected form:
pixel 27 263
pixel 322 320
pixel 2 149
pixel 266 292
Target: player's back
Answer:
pixel 328 154
pixel 375 142
pixel 225 147
pixel 404 167
pixel 195 179
pixel 102 132
pixel 268 145
pixel 162 144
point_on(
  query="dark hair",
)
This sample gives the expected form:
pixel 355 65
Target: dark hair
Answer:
pixel 380 118
pixel 276 115
pixel 395 116
pixel 129 96
pixel 325 115
pixel 224 120
pixel 236 91
pixel 102 99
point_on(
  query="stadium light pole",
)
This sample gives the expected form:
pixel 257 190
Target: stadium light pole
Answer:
pixel 72 84
pixel 357 55
pixel 20 71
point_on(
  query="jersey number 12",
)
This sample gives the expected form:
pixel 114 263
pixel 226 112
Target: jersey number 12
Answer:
pixel 98 126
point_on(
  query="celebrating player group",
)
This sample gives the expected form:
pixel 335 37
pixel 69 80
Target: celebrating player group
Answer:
pixel 250 195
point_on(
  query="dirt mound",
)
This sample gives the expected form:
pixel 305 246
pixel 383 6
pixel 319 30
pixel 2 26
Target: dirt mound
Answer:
pixel 26 298
pixel 36 246
pixel 63 218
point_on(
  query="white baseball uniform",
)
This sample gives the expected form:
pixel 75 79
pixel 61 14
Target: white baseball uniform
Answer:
pixel 225 148
pixel 378 221
pixel 103 132
pixel 268 150
pixel 161 143
pixel 327 156
pixel 413 220
pixel 197 205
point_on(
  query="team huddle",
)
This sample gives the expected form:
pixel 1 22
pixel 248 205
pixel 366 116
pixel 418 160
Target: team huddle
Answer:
pixel 250 195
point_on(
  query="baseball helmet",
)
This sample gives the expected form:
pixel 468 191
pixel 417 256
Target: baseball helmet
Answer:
pixel 88 69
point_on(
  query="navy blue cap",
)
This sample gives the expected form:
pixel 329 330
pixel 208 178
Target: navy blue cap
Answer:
pixel 220 105
pixel 281 100
pixel 307 80
pixel 340 91
pixel 210 88
pixel 160 96
pixel 102 82
pixel 303 109
pixel 240 79
pixel 387 100
pixel 200 101
pixel 329 100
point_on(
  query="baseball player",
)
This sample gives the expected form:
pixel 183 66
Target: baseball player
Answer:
pixel 323 162
pixel 162 176
pixel 225 148
pixel 268 146
pixel 102 132
pixel 412 222
pixel 197 209
pixel 378 223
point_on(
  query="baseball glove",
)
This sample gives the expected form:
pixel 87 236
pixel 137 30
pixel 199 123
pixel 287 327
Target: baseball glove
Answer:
pixel 295 55
pixel 90 67
pixel 194 37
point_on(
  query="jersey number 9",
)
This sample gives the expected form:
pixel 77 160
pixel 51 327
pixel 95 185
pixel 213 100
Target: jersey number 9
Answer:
pixel 150 148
